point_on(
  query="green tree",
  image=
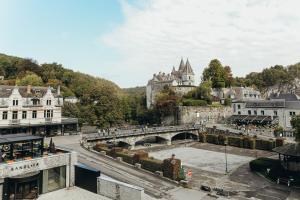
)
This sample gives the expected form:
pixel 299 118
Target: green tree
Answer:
pixel 295 122
pixel 30 79
pixel 216 73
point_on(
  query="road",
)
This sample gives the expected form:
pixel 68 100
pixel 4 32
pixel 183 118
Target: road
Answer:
pixel 152 185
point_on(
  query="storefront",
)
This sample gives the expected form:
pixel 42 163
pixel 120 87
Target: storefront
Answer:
pixel 34 171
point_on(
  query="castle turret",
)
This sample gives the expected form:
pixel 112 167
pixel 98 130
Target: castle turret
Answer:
pixel 187 74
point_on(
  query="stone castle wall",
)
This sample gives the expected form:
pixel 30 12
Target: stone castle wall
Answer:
pixel 198 115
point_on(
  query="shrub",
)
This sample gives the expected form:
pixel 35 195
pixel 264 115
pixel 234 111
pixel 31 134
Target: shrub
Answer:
pixel 210 138
pixel 262 164
pixel 128 158
pixel 194 102
pixel 151 165
pixel 279 142
pixel 221 139
pixel 248 143
pixel 202 137
pixel 267 145
pixel 235 141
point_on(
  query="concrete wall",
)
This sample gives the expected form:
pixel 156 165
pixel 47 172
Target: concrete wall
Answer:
pixel 200 114
pixel 118 190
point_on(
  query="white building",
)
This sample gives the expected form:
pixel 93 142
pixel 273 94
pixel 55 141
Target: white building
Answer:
pixel 279 109
pixel 236 93
pixel 35 110
pixel 71 99
pixel 181 81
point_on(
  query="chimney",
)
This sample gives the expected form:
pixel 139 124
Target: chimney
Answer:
pixel 58 90
pixel 28 89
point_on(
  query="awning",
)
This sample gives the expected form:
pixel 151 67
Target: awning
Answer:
pixel 253 119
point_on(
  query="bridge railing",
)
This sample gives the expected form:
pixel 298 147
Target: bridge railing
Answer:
pixel 117 133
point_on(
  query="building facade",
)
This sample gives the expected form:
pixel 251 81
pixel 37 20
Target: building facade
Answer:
pixel 181 81
pixel 236 93
pixel 27 170
pixel 34 110
pixel 278 109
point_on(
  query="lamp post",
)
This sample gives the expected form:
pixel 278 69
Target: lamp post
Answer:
pixel 226 164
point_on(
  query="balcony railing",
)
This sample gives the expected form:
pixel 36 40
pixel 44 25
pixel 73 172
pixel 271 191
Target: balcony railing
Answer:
pixel 32 105
pixel 48 120
pixel 15 121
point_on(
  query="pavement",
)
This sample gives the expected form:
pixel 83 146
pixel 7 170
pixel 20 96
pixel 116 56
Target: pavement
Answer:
pixel 248 184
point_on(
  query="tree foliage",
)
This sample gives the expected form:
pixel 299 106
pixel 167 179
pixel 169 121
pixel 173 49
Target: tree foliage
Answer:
pixel 295 122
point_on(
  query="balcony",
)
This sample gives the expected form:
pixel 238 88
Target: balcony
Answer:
pixel 32 105
pixel 48 120
pixel 14 121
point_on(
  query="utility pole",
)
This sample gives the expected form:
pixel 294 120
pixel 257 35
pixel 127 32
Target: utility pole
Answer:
pixel 226 170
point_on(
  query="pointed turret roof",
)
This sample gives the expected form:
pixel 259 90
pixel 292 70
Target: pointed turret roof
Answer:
pixel 181 65
pixel 187 68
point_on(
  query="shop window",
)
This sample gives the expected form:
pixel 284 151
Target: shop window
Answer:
pixel 54 179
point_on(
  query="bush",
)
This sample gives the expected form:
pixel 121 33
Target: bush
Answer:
pixel 248 143
pixel 221 139
pixel 267 145
pixel 235 141
pixel 213 139
pixel 279 142
pixel 194 102
pixel 202 137
pixel 151 165
pixel 262 164
pixel 126 157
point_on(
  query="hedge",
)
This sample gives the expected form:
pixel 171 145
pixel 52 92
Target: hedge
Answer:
pixel 262 164
pixel 235 141
pixel 210 138
pixel 194 102
pixel 151 165
pixel 248 143
pixel 126 157
pixel 265 144
pixel 221 139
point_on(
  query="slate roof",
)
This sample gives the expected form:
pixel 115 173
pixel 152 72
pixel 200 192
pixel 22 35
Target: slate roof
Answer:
pixel 289 149
pixel 17 138
pixel 6 90
pixel 187 68
pixel 285 96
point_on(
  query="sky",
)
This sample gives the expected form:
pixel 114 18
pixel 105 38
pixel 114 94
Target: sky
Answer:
pixel 127 41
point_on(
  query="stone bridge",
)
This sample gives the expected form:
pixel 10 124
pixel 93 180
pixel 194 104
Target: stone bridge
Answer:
pixel 132 136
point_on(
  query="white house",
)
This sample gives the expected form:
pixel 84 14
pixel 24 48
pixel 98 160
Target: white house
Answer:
pixel 35 110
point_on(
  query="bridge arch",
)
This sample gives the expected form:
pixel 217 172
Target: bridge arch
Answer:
pixel 151 139
pixel 186 135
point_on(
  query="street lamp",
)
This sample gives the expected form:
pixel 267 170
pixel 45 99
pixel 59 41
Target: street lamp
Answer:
pixel 225 143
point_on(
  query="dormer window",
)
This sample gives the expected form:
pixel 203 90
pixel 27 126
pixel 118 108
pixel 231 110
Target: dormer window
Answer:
pixel 35 101
pixel 48 102
pixel 15 102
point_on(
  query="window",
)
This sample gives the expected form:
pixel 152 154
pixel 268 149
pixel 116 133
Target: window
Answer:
pixel 15 115
pixel 255 112
pixel 54 179
pixel 239 106
pixel 15 102
pixel 292 113
pixel 48 102
pixel 275 112
pixel 51 113
pixel 262 112
pixel 24 114
pixel 249 112
pixel 4 115
pixel 34 115
pixel 239 112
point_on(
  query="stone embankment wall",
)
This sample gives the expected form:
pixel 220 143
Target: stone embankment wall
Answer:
pixel 118 190
pixel 198 115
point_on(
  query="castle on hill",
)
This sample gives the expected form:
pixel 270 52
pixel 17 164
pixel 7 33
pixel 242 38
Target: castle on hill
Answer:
pixel 181 81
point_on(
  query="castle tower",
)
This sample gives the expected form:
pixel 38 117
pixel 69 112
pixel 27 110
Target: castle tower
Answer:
pixel 187 74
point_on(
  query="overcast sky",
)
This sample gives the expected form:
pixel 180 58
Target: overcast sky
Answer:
pixel 128 41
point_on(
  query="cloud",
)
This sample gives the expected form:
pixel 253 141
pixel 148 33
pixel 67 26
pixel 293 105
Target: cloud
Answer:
pixel 245 34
